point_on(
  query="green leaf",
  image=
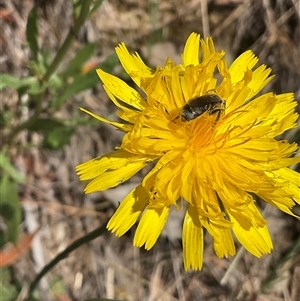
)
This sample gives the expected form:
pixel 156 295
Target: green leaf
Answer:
pixel 35 88
pixel 32 32
pixel 79 59
pixel 30 84
pixel 6 116
pixel 56 133
pixel 10 208
pixel 8 291
pixel 57 138
pixel 14 82
pixel 85 81
pixel 38 66
pixel 45 125
pixel 55 82
pixel 14 174
pixel 80 83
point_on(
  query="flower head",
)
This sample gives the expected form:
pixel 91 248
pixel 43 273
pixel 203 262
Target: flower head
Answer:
pixel 212 144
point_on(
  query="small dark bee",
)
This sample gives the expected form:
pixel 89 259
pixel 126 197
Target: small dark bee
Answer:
pixel 210 103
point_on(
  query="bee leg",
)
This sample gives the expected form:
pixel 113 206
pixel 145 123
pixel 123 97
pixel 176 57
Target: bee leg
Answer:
pixel 218 115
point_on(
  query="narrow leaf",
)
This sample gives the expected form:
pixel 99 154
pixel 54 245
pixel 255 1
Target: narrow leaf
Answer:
pixel 80 83
pixel 32 32
pixel 10 208
pixel 45 125
pixel 79 59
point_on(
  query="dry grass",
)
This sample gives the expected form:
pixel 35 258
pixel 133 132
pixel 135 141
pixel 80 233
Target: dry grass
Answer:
pixel 53 198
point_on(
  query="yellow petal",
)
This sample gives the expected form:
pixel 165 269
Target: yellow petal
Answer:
pixel 192 240
pixel 112 178
pixel 259 80
pixel 284 106
pixel 133 64
pixel 223 241
pixel 246 61
pixel 122 91
pixel 290 174
pixel 120 126
pixel 150 178
pixel 284 204
pixel 111 161
pixel 129 211
pixel 150 227
pixel 283 116
pixel 208 49
pixel 190 55
pixel 187 179
pixel 255 240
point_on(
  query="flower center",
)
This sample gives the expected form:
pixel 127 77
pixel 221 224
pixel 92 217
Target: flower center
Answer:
pixel 200 133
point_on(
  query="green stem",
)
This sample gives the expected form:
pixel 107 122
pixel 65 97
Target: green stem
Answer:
pixel 76 244
pixel 84 14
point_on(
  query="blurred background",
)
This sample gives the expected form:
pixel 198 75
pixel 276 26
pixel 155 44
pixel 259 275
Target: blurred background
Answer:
pixel 49 53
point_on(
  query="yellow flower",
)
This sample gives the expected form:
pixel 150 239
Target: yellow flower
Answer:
pixel 216 160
